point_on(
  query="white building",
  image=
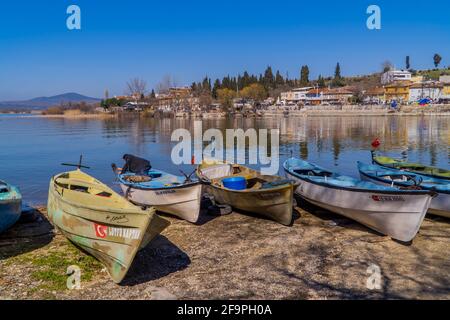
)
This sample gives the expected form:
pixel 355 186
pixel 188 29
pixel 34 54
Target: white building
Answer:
pixel 425 90
pixel 395 75
pixel 295 95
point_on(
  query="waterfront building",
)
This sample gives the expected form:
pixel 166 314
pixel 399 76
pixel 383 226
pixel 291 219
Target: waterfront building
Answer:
pixel 337 95
pixel 375 95
pixel 297 95
pixel 327 96
pixel 398 91
pixel 395 75
pixel 427 89
pixel 445 80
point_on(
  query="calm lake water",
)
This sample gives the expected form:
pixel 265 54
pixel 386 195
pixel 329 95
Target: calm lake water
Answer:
pixel 32 148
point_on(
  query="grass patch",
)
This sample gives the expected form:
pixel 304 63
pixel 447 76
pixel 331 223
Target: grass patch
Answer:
pixel 50 265
pixel 53 266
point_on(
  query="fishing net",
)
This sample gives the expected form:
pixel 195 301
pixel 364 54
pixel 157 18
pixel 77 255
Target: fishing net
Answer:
pixel 137 179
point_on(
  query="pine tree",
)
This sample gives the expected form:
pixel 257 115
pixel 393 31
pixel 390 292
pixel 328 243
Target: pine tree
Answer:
pixel 304 76
pixel 279 81
pixel 337 81
pixel 215 88
pixel 337 72
pixel 268 78
pixel 407 64
pixel 321 82
pixel 206 85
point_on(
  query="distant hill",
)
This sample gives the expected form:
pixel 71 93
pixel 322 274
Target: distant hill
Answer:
pixel 45 102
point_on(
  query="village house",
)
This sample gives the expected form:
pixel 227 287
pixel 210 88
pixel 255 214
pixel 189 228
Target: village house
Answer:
pixel 295 95
pixel 425 90
pixel 333 96
pixel 398 91
pixel 445 80
pixel 395 75
pixel 180 92
pixel 375 95
pixel 337 95
pixel 314 96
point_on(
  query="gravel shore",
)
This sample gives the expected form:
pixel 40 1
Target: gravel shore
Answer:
pixel 321 256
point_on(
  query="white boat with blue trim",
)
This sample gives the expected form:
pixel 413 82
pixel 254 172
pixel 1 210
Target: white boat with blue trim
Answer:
pixel 390 211
pixel 440 205
pixel 168 193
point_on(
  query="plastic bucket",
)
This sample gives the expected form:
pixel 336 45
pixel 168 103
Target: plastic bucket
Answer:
pixel 235 183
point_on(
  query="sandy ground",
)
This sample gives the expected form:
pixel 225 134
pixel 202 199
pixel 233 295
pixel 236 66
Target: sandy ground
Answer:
pixel 321 256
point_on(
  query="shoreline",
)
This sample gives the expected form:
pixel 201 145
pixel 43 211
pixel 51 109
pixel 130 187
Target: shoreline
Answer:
pixel 267 115
pixel 237 256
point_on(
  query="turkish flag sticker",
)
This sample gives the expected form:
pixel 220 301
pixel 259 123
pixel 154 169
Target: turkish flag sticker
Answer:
pixel 100 230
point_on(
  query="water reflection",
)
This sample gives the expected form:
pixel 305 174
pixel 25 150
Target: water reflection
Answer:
pixel 32 148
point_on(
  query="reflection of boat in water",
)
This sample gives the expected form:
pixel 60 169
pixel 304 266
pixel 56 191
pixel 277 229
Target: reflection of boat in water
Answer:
pixel 270 196
pixel 440 205
pixel 388 210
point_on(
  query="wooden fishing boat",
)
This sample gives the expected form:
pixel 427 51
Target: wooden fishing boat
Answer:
pixel 269 196
pixel 100 221
pixel 10 205
pixel 177 195
pixel 430 171
pixel 440 205
pixel 390 211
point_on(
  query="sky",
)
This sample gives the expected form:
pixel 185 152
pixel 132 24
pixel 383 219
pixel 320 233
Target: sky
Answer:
pixel 120 40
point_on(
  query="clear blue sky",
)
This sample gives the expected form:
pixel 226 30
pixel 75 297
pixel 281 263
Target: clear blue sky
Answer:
pixel 189 39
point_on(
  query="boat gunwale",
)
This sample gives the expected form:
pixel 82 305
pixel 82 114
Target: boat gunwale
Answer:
pixel 394 192
pixel 150 210
pixel 245 191
pixel 136 186
pixel 398 183
pixel 393 166
pixel 250 191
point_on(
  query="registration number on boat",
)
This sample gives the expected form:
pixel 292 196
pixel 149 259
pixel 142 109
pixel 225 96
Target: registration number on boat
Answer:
pixel 387 198
pixel 159 193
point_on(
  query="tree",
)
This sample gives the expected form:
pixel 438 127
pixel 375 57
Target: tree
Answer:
pixel 337 72
pixel 387 66
pixel 136 87
pixel 215 88
pixel 337 81
pixel 255 91
pixel 268 78
pixel 279 81
pixel 152 94
pixel 407 64
pixel 304 76
pixel 437 60
pixel 321 82
pixel 206 85
pixel 165 84
pixel 225 97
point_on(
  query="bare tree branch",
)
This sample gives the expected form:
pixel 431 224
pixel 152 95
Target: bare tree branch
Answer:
pixel 136 86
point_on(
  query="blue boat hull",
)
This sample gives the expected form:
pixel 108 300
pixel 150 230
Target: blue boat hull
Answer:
pixel 9 213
